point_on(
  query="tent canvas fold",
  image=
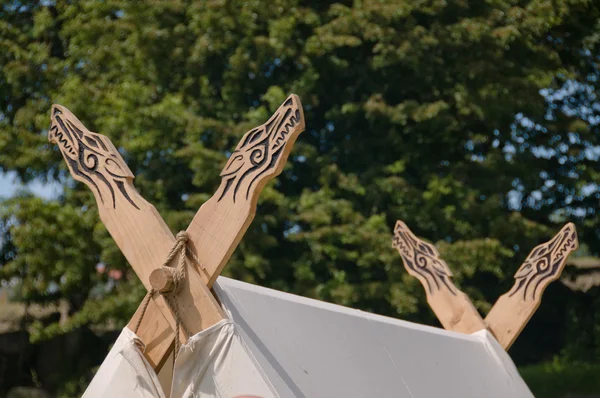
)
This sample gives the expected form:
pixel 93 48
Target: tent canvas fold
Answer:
pixel 213 363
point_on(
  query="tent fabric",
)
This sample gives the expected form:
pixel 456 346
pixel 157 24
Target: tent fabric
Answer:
pixel 216 363
pixel 280 345
pixel 124 373
pixel 309 348
pixel 213 363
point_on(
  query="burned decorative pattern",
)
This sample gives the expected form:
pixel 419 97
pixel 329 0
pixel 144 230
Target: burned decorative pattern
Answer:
pixel 256 156
pixel 544 264
pixel 422 260
pixel 91 157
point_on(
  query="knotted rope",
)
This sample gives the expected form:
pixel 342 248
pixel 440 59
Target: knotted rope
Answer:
pixel 178 273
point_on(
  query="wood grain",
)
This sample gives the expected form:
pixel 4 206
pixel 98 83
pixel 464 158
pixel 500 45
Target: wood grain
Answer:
pixel 136 227
pixel 162 279
pixel 544 264
pixel 422 260
pixel 220 223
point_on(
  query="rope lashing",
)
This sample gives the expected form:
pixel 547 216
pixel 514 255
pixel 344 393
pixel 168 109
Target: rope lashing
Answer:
pixel 171 280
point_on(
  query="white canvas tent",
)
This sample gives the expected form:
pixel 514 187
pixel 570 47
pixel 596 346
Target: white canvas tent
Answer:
pixel 280 345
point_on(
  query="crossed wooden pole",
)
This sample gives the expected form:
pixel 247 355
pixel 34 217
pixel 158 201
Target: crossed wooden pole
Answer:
pixel 144 238
pixel 512 311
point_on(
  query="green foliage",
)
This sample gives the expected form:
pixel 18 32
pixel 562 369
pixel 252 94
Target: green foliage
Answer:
pixel 559 379
pixel 474 122
pixel 39 233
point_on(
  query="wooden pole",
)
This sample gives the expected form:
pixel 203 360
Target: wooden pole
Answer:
pixel 261 154
pixel 162 279
pixel 422 260
pixel 544 264
pixel 220 223
pixel 134 224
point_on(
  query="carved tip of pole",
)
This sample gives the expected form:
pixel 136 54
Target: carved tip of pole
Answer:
pixel 574 235
pixel 55 111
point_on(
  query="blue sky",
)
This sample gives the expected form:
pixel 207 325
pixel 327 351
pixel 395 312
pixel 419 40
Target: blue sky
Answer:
pixel 9 185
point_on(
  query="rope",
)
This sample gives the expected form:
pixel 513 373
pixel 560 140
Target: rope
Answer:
pixel 179 246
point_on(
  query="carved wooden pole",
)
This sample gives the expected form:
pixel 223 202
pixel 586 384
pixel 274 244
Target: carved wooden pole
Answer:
pixel 422 260
pixel 544 264
pixel 134 224
pixel 144 238
pixel 512 311
pixel 220 223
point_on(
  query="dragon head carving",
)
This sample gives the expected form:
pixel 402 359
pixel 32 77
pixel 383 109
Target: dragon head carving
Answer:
pixel 262 152
pixel 422 260
pixel 91 157
pixel 545 263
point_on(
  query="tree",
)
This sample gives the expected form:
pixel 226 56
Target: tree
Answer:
pixel 474 122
